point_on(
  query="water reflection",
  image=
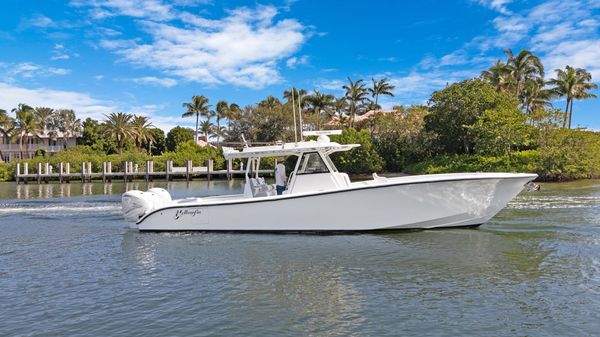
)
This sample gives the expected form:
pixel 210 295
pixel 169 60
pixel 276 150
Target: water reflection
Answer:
pixel 52 190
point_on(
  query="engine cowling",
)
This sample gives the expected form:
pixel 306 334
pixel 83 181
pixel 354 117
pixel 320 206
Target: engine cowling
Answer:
pixel 136 203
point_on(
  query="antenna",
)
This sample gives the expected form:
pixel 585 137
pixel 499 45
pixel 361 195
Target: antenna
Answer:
pixel 300 112
pixel 245 142
pixel 294 110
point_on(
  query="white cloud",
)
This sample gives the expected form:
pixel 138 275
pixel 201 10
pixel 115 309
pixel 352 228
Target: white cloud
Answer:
pixel 41 21
pixel 497 5
pixel 29 70
pixel 294 61
pixel 580 54
pixel 151 80
pixel 83 104
pixel 242 48
pixel 101 9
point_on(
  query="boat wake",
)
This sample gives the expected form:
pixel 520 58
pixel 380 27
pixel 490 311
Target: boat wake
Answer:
pixel 554 202
pixel 60 209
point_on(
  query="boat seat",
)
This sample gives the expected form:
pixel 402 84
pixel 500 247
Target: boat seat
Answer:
pixel 260 188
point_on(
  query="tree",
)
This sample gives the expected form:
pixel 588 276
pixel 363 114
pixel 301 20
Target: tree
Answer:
pixel 68 124
pixel 7 125
pixel 320 103
pixel 522 67
pixel 178 135
pixel 221 111
pixel 381 87
pixel 45 117
pixel 198 107
pixel 294 96
pixel 455 108
pixel 118 125
pixel 141 131
pixel 535 97
pixel 573 83
pixel 156 146
pixel 207 128
pixel 361 160
pixel 269 103
pixel 356 94
pixel 499 131
pixel 27 126
pixel 231 113
pixel 498 75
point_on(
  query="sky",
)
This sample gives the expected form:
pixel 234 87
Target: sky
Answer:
pixel 149 56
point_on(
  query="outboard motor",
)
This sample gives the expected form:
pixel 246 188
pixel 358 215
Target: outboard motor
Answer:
pixel 137 203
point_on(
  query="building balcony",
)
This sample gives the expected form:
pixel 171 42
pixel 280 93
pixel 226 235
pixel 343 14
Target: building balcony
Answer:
pixel 15 148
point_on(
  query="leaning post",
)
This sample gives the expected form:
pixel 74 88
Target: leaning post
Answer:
pixel 188 169
pixel 39 173
pixel 60 172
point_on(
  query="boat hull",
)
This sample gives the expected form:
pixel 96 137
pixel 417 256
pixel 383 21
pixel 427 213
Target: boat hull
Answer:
pixel 396 204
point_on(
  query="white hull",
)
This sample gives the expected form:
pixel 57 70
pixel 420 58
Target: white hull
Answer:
pixel 430 201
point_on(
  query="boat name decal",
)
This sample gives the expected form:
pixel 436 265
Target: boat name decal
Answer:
pixel 181 212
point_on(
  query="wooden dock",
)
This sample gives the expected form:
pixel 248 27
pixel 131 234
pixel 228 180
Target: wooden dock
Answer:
pixel 45 173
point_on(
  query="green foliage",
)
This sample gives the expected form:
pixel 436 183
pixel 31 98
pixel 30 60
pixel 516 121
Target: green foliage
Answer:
pixel 158 143
pixel 360 160
pixel 399 138
pixel 569 154
pixel 500 131
pixel 562 155
pixel 524 161
pixel 178 135
pixel 197 154
pixel 6 172
pixel 454 109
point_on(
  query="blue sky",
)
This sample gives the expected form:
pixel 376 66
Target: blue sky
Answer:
pixel 149 56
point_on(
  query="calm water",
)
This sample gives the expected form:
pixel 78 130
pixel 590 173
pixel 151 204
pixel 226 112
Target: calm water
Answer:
pixel 69 266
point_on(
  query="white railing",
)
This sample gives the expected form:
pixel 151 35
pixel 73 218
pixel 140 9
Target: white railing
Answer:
pixel 29 148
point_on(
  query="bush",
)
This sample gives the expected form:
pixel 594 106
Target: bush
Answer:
pixel 360 160
pixel 197 154
pixel 6 172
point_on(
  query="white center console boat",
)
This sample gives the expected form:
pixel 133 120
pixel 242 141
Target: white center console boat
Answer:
pixel 319 198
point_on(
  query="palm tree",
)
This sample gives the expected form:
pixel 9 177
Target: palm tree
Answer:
pixel 46 121
pixel 7 125
pixel 319 103
pixel 498 75
pixel 141 131
pixel 118 125
pixel 269 103
pixel 207 128
pixel 381 87
pixel 535 97
pixel 522 67
pixel 292 96
pixel 340 105
pixel 27 126
pixel 356 94
pixel 199 107
pixel 232 112
pixel 573 83
pixel 68 124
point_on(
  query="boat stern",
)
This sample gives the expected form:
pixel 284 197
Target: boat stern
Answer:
pixel 136 204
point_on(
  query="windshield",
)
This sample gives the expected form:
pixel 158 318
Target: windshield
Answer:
pixel 312 163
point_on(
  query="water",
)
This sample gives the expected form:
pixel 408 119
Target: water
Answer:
pixel 69 266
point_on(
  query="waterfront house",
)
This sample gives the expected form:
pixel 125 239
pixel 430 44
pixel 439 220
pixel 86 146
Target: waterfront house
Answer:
pixel 11 149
